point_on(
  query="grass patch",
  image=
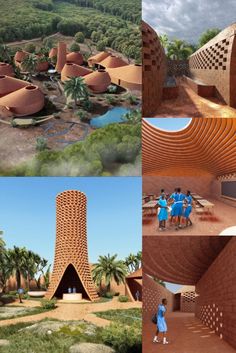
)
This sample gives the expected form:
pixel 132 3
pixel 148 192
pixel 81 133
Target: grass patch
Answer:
pixel 127 316
pixel 26 312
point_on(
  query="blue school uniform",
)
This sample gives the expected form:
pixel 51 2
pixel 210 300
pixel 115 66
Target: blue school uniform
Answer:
pixel 172 196
pixel 188 209
pixel 161 322
pixel 163 214
pixel 177 207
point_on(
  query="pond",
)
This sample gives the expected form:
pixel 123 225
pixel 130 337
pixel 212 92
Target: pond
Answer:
pixel 113 115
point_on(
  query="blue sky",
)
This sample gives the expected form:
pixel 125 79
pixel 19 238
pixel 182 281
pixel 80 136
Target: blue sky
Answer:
pixel 187 20
pixel 27 213
pixel 169 124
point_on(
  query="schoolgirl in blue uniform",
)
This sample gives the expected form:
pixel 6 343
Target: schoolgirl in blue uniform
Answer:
pixel 188 209
pixel 172 196
pixel 177 207
pixel 163 213
pixel 161 322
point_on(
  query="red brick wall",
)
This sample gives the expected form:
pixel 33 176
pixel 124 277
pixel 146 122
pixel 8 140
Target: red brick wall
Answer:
pixel 187 302
pixel 199 185
pixel 153 293
pixel 215 64
pixel 154 70
pixel 216 303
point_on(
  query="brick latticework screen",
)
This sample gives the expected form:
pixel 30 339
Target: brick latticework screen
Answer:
pixel 215 64
pixel 71 266
pixel 154 70
pixel 153 293
pixel 178 67
pixel 216 303
pixel 187 302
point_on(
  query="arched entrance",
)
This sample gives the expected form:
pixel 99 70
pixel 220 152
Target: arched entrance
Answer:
pixel 70 279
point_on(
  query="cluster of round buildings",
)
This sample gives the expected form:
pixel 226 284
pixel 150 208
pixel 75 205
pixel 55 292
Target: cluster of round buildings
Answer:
pixel 21 98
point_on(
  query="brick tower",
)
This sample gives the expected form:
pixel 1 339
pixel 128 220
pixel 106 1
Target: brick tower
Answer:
pixel 71 266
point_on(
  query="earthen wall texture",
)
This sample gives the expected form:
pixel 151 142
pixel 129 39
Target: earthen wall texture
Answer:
pixel 215 64
pixel 216 301
pixel 187 302
pixel 71 241
pixel 153 293
pixel 154 70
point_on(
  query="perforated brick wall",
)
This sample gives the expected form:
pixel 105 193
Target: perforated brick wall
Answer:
pixel 187 302
pixel 216 303
pixel 154 70
pixel 178 67
pixel 153 293
pixel 71 242
pixel 215 64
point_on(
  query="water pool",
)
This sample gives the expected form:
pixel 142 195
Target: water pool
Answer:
pixel 113 115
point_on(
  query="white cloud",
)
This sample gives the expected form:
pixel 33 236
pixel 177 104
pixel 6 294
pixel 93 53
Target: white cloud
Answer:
pixel 188 19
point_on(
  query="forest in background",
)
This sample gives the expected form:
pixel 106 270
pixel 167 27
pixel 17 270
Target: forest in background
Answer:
pixel 115 24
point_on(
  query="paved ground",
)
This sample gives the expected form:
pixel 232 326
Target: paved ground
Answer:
pixel 73 312
pixel 222 218
pixel 189 104
pixel 186 334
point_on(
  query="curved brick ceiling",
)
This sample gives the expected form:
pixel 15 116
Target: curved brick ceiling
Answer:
pixel 181 260
pixel 205 146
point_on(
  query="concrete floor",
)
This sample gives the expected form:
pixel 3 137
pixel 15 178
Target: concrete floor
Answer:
pixel 189 104
pixel 222 217
pixel 186 334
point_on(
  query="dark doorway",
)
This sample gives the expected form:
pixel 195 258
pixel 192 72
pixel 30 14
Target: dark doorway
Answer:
pixel 134 286
pixel 70 279
pixel 177 299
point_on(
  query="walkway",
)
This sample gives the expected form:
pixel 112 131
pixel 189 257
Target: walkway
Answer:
pixel 186 335
pixel 189 104
pixel 73 312
pixel 223 217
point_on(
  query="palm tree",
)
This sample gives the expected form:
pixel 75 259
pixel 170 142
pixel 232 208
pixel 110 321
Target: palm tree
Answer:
pixel 130 262
pixel 5 270
pixel 31 260
pixel 108 269
pixel 179 50
pixel 164 41
pixel 77 89
pixel 30 63
pixel 133 117
pixel 46 277
pixel 17 261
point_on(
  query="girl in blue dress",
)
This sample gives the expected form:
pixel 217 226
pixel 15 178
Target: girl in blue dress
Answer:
pixel 188 209
pixel 161 322
pixel 177 208
pixel 163 213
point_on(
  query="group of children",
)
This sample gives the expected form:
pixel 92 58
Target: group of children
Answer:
pixel 178 204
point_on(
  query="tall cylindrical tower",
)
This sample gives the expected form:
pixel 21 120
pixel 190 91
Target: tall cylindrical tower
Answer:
pixel 71 266
pixel 61 56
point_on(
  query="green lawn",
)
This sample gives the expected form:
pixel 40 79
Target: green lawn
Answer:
pixel 126 316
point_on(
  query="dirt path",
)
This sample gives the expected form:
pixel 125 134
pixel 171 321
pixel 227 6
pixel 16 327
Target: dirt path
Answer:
pixel 74 312
pixel 186 334
pixel 30 40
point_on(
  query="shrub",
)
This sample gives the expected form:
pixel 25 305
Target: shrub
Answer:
pixel 108 295
pixel 112 89
pixel 83 115
pixel 132 99
pixel 74 47
pixel 87 105
pixel 101 45
pixel 79 37
pixel 48 304
pixel 30 47
pixel 123 299
pixel 110 99
pixel 123 339
pixel 41 143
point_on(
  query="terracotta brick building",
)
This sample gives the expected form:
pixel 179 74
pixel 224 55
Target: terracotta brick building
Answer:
pixel 154 70
pixel 215 64
pixel 71 265
pixel 205 262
